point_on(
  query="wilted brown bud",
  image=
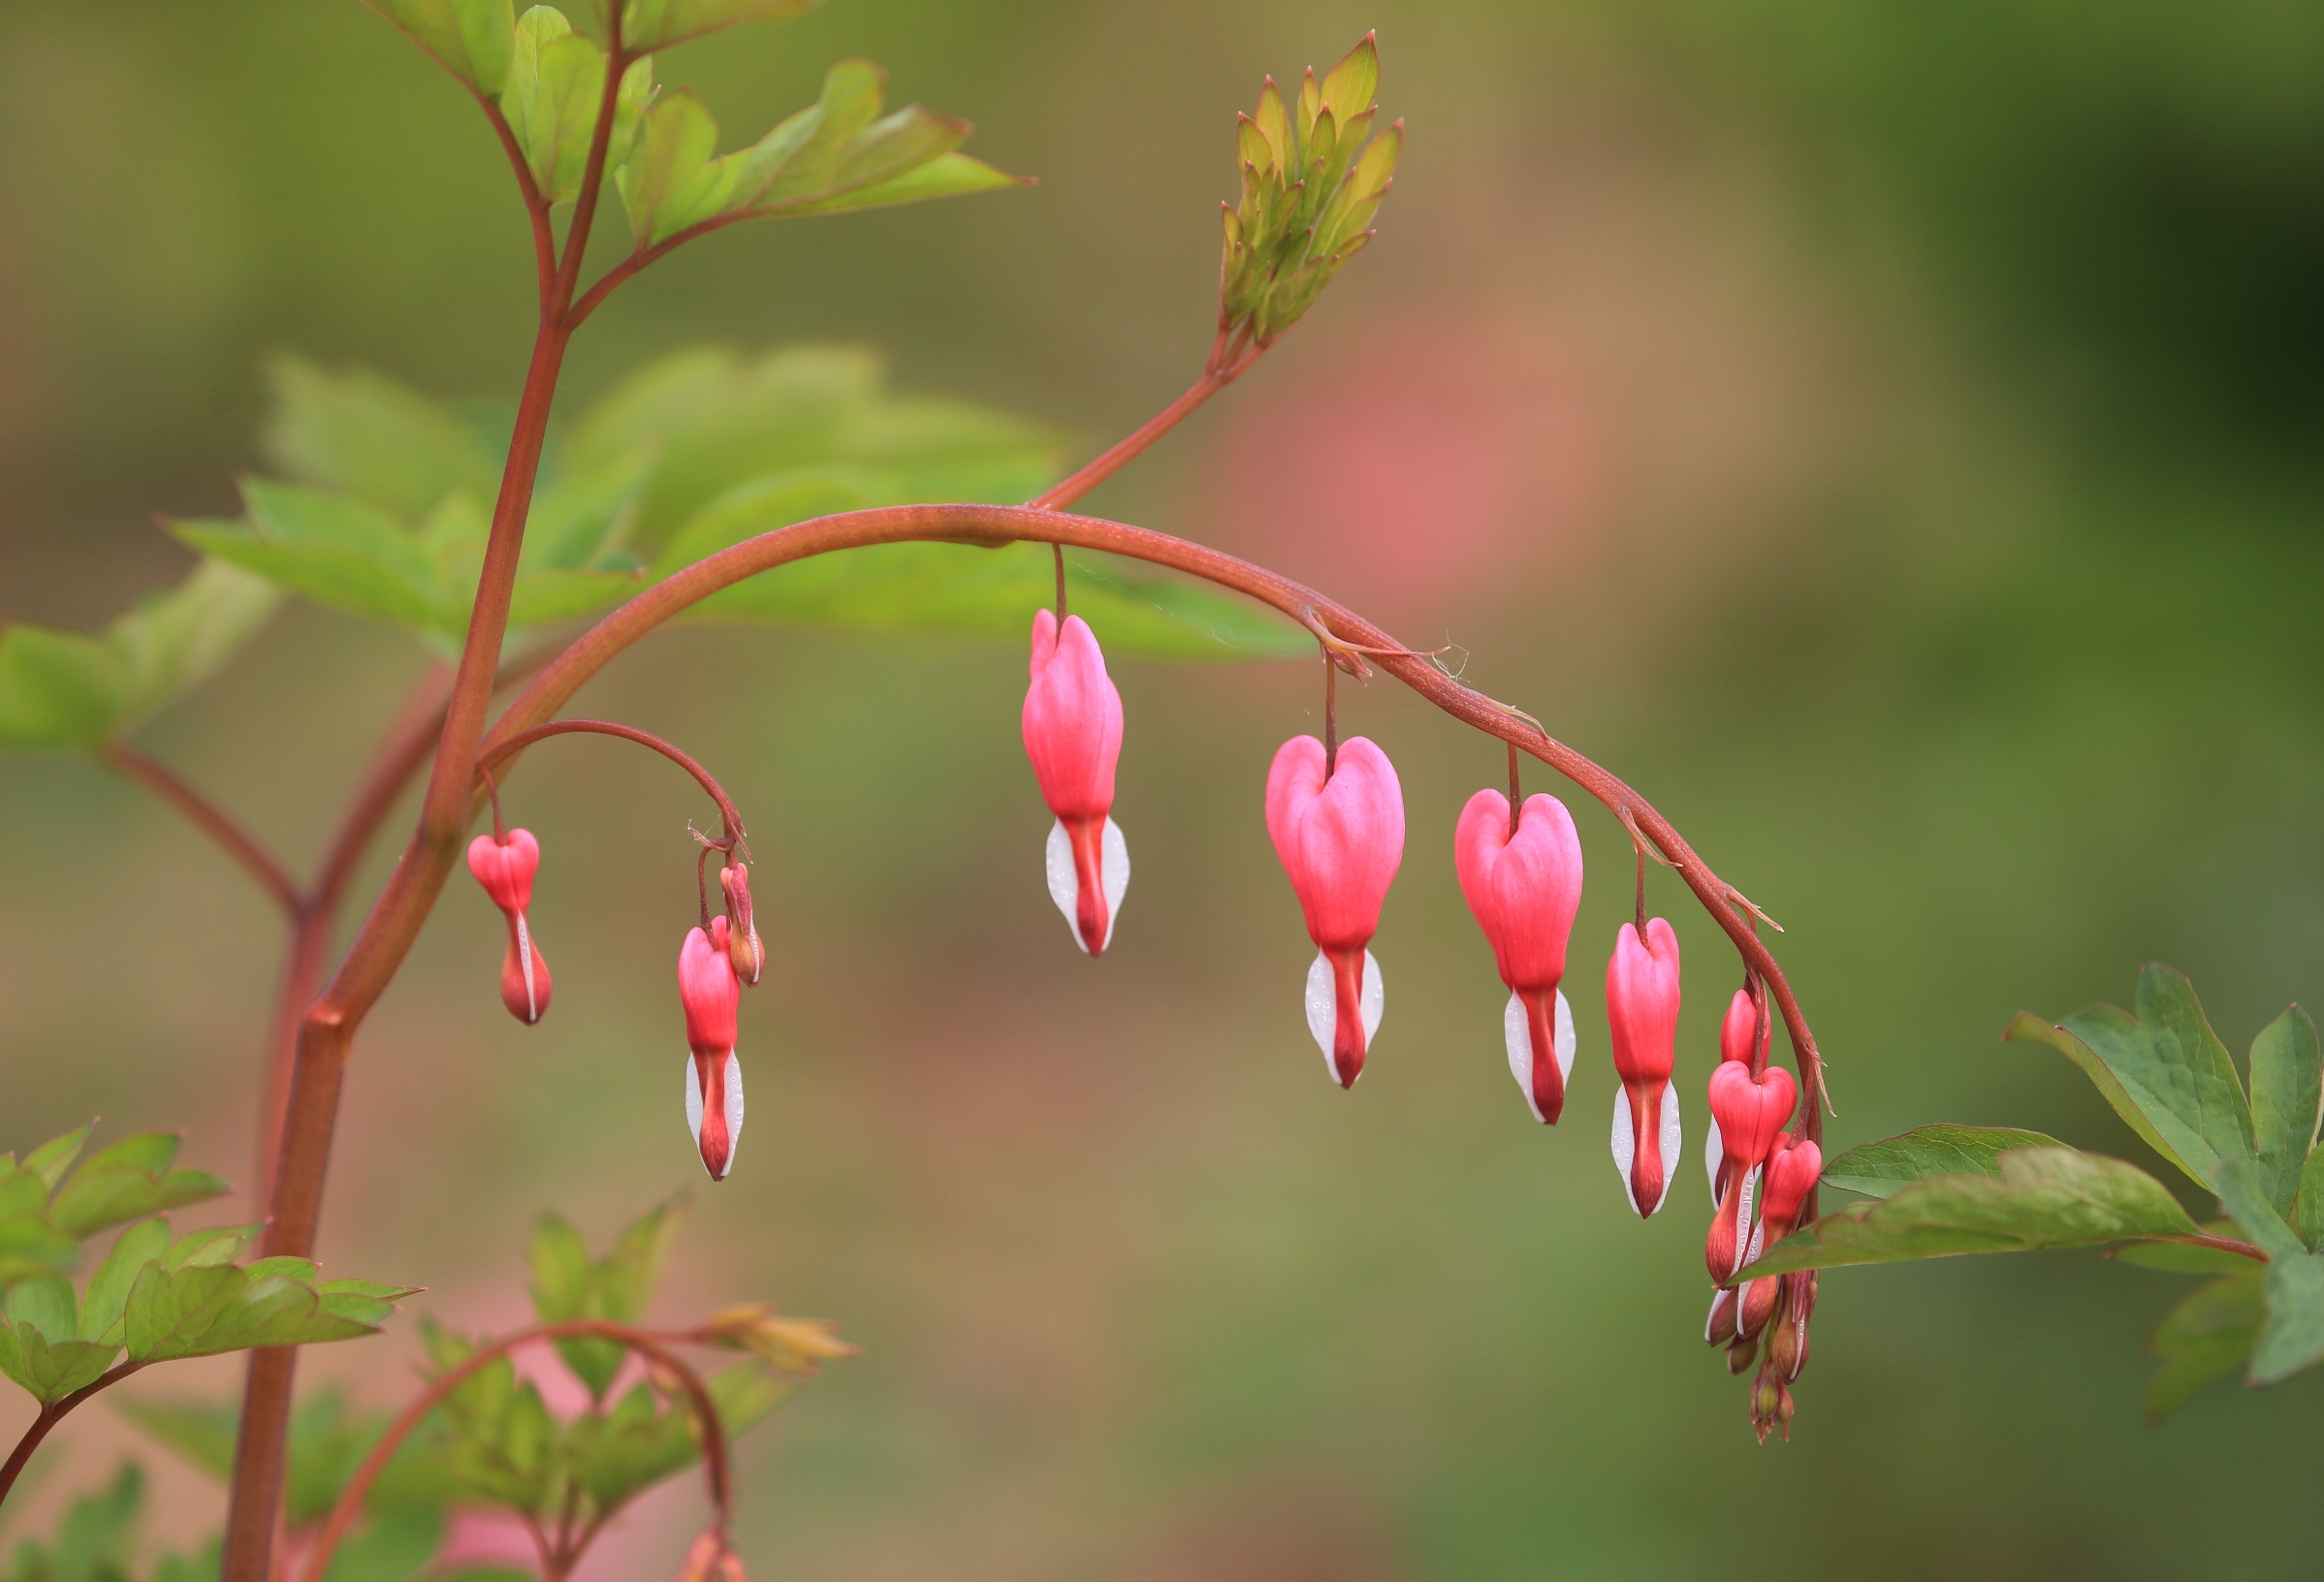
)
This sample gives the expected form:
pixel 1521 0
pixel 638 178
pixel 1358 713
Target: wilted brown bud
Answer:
pixel 743 947
pixel 1787 1335
pixel 1739 1357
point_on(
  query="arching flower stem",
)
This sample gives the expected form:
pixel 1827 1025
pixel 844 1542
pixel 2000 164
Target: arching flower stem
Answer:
pixel 501 751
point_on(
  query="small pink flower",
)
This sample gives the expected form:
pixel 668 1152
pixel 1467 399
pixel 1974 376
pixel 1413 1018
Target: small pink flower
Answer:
pixel 1642 1010
pixel 1072 727
pixel 1746 1117
pixel 710 992
pixel 1734 1044
pixel 505 868
pixel 1340 839
pixel 1523 888
pixel 1793 1169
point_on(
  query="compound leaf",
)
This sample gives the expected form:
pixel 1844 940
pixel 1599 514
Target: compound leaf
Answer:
pixel 1880 1168
pixel 2287 1088
pixel 471 39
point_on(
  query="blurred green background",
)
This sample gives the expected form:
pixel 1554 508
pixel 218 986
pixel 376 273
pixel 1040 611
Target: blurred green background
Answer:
pixel 1886 435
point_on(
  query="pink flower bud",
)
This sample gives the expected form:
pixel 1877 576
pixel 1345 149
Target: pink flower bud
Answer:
pixel 1787 1335
pixel 1340 839
pixel 1718 1329
pixel 710 992
pixel 1734 1044
pixel 1746 1117
pixel 1642 1010
pixel 1523 889
pixel 1072 725
pixel 1792 1171
pixel 743 948
pixel 505 868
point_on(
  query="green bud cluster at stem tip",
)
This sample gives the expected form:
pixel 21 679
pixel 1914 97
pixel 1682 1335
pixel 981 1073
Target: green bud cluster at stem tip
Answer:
pixel 1310 188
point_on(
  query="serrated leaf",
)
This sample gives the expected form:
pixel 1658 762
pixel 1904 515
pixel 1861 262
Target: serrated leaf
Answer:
pixel 2291 1337
pixel 208 1248
pixel 2204 1339
pixel 657 24
pixel 194 1313
pixel 333 548
pixel 352 430
pixel 1879 1169
pixel 2287 1089
pixel 143 1243
pixel 471 39
pixel 2045 1198
pixel 946 175
pixel 644 1440
pixel 2164 1072
pixel 98 1198
pixel 52 1158
pixel 2243 1194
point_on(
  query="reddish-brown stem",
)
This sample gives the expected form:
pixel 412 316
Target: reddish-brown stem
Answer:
pixel 536 206
pixel 51 1415
pixel 1517 792
pixel 502 751
pixel 210 820
pixel 1331 717
pixel 651 1344
pixel 610 280
pixel 1059 552
pixel 2219 1244
pixel 1119 455
pixel 311 1111
pixel 1339 626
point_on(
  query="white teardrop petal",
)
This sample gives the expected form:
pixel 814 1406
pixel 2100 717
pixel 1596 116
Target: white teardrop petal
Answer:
pixel 1322 1009
pixel 1065 885
pixel 1372 1001
pixel 1714 1154
pixel 1566 1043
pixel 1113 869
pixel 734 1110
pixel 1518 1034
pixel 1671 1139
pixel 1625 1146
pixel 694 1099
pixel 1747 1236
pixel 533 993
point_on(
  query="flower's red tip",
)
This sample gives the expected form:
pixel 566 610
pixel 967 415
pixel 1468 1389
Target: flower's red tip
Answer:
pixel 525 981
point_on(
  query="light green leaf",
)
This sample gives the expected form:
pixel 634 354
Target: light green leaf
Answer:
pixel 52 1158
pixel 125 1183
pixel 543 596
pixel 2307 1208
pixel 141 1244
pixel 2291 1338
pixel 1878 1169
pixel 354 432
pixel 631 1271
pixel 657 24
pixel 47 1304
pixel 95 1539
pixel 2045 1198
pixel 672 180
pixel 2287 1089
pixel 330 547
pixel 2243 1194
pixel 57 689
pixel 201 1311
pixel 208 1248
pixel 471 39
pixel 561 1270
pixel 2204 1339
pixel 946 175
pixel 28 1247
pixel 2164 1072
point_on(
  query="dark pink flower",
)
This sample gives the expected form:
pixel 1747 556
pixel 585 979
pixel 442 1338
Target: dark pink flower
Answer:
pixel 1072 727
pixel 710 992
pixel 1746 1117
pixel 1523 888
pixel 1793 1169
pixel 1339 837
pixel 1641 1011
pixel 505 868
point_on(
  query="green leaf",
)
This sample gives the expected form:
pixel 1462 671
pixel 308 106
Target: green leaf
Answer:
pixel 48 1304
pixel 208 1248
pixel 201 1311
pixel 2204 1339
pixel 644 1440
pixel 200 1430
pixel 561 1270
pixel 353 431
pixel 2287 1091
pixel 28 1247
pixel 128 1181
pixel 141 1244
pixel 471 39
pixel 2307 1208
pixel 64 689
pixel 2292 1336
pixel 52 1158
pixel 1878 1169
pixel 388 1547
pixel 2045 1198
pixel 2243 1194
pixel 672 178
pixel 333 548
pixel 95 1539
pixel 2182 1258
pixel 946 175
pixel 2164 1072
pixel 631 1271
pixel 657 24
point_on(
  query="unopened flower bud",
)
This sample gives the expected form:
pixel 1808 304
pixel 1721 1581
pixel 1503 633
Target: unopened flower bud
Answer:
pixel 1719 1328
pixel 743 949
pixel 1740 1355
pixel 1738 1031
pixel 1642 1010
pixel 505 868
pixel 1790 1175
pixel 1787 1337
pixel 1770 1406
pixel 1340 836
pixel 1523 888
pixel 1072 725
pixel 710 992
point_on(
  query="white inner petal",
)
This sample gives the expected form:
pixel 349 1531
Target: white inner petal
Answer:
pixel 1625 1149
pixel 1747 1237
pixel 1113 868
pixel 694 1099
pixel 1671 1140
pixel 532 996
pixel 1065 885
pixel 734 1109
pixel 1322 1009
pixel 1566 1043
pixel 1519 1037
pixel 1372 1001
pixel 1714 1154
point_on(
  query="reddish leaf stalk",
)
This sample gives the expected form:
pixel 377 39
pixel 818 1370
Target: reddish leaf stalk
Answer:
pixel 310 1115
pixel 210 820
pixel 51 1415
pixel 651 1344
pixel 1114 457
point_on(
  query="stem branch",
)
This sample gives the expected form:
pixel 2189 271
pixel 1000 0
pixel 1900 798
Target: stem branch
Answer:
pixel 210 820
pixel 49 1417
pixel 509 749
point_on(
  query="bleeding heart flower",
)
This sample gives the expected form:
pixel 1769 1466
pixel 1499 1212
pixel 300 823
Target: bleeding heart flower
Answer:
pixel 1748 1116
pixel 1523 887
pixel 1072 727
pixel 505 868
pixel 1793 1169
pixel 1339 837
pixel 710 992
pixel 1734 1044
pixel 1642 1010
